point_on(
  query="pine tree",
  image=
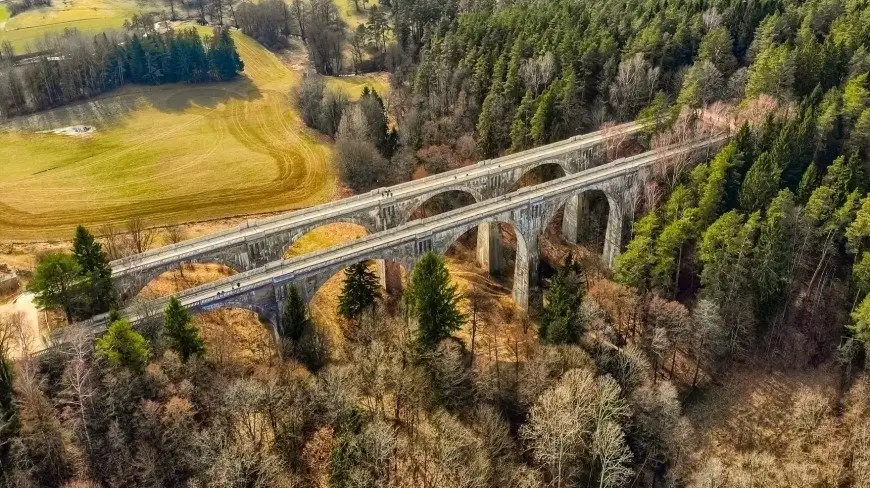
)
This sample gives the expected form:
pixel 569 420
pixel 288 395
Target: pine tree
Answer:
pixel 95 269
pixel 183 336
pixel 294 317
pixel 539 127
pixel 434 301
pixel 359 292
pixel 860 326
pixel 224 60
pixel 634 266
pixel 772 255
pixel 562 320
pixel 123 347
pixel 761 183
pixel 808 182
pixel 520 127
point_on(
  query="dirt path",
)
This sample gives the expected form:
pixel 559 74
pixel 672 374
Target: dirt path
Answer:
pixel 32 340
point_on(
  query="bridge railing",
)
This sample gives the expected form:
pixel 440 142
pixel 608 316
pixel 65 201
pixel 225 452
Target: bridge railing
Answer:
pixel 251 224
pixel 203 294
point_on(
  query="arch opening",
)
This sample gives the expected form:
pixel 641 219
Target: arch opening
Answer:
pixel 442 203
pixel 323 306
pixel 325 237
pixel 490 255
pixel 237 336
pixel 496 327
pixel 182 277
pixel 578 227
pixel 539 174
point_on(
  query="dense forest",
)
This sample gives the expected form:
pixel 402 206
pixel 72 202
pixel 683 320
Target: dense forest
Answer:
pixel 760 254
pixel 74 66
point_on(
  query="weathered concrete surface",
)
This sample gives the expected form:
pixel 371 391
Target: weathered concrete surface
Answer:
pixel 489 248
pixel 254 244
pixel 528 211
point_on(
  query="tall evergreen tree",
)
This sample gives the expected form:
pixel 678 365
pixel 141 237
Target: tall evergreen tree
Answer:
pixel 224 60
pixel 772 255
pixel 95 269
pixel 562 319
pixel 183 336
pixel 294 317
pixel 359 292
pixel 761 183
pixel 434 301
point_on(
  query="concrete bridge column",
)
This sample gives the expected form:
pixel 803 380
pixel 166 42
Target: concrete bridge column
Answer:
pixel 489 248
pixel 526 273
pixel 390 273
pixel 572 222
pixel 621 212
pixel 612 236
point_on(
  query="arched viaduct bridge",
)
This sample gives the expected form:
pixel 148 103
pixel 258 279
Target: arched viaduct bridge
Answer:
pixel 257 243
pixel 528 210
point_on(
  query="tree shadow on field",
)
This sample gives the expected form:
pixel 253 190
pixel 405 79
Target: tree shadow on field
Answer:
pixel 206 95
pixel 115 108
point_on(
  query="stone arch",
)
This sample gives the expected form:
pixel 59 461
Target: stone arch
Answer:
pixel 611 231
pixel 540 172
pixel 472 196
pixel 267 313
pixel 524 265
pixel 329 280
pixel 134 282
pixel 585 217
pixel 360 228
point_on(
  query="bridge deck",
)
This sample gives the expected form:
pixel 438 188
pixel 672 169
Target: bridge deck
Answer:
pixel 286 270
pixel 283 222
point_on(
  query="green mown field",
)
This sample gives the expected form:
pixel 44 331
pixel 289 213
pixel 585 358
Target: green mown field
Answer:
pixel 171 153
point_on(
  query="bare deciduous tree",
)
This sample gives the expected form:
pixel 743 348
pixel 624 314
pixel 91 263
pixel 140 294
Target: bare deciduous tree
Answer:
pixel 558 426
pixel 141 236
pixel 613 454
pixel 635 84
pixel 538 72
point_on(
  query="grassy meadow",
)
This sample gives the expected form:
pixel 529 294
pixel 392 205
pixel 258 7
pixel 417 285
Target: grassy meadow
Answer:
pixel 85 15
pixel 168 153
pixel 171 153
pixel 349 13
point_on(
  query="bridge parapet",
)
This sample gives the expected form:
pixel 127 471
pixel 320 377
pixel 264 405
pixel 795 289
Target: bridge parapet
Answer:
pixel 258 242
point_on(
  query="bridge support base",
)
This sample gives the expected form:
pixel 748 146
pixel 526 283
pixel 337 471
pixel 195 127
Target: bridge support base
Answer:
pixel 489 248
pixel 390 273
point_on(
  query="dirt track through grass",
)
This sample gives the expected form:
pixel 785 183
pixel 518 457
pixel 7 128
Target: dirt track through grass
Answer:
pixel 169 154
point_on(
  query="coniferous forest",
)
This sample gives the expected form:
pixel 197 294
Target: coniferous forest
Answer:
pixel 75 66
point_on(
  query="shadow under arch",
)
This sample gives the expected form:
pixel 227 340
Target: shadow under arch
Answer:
pixel 541 173
pixel 442 202
pixel 584 219
pixel 510 262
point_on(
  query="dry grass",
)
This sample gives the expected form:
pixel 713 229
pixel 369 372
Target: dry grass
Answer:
pixel 353 86
pixel 750 410
pixel 170 153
